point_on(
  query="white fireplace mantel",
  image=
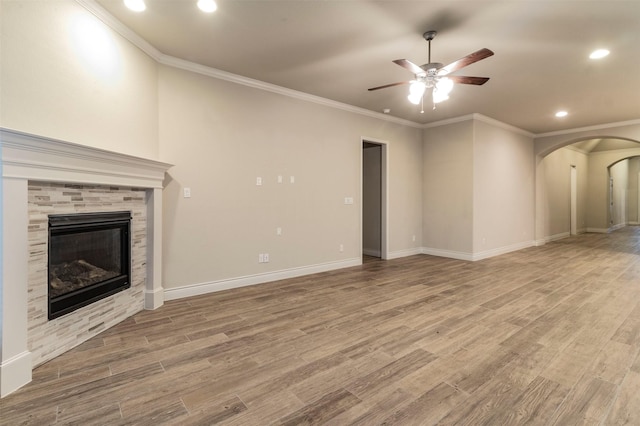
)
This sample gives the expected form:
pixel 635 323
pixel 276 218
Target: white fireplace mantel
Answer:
pixel 28 157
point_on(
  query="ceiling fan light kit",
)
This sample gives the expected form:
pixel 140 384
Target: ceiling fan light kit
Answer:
pixel 136 5
pixel 207 6
pixel 436 76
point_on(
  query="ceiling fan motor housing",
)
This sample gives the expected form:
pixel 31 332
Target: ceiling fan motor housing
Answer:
pixel 432 67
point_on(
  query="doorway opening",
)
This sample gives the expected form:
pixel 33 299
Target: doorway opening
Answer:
pixel 573 220
pixel 611 212
pixel 374 200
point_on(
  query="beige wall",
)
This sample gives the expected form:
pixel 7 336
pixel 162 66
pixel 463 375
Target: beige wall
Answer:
pixel 58 81
pixel 222 136
pixel 503 189
pixel 556 170
pixel 447 188
pixel 478 189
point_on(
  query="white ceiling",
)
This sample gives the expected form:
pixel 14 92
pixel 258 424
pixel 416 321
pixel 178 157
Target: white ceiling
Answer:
pixel 336 49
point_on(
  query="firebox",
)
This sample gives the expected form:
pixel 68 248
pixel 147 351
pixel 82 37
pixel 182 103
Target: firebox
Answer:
pixel 89 259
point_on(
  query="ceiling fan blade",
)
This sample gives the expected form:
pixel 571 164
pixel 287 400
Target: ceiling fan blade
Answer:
pixel 409 65
pixel 389 85
pixel 478 81
pixel 467 60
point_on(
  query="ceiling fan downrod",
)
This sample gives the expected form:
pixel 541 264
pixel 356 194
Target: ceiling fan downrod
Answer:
pixel 429 35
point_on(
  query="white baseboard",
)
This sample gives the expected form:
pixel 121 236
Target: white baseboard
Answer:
pixel 15 373
pixel 479 255
pixel 556 237
pixel 633 223
pixel 598 230
pixel 227 284
pixel 404 253
pixel 153 299
pixel 502 250
pixel 616 227
pixel 447 253
pixel 550 238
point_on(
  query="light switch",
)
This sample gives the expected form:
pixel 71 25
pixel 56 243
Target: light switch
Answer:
pixel 279 178
pixel 292 179
pixel 258 181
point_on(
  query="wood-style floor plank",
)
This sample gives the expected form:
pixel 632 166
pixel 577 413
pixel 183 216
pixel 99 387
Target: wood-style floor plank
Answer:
pixel 545 335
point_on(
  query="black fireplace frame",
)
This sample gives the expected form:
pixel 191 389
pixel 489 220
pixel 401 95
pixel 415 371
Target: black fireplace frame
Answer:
pixel 61 224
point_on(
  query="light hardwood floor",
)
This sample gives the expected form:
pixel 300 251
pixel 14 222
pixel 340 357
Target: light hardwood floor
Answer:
pixel 546 335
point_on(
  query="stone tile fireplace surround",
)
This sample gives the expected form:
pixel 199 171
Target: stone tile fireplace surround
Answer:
pixel 42 176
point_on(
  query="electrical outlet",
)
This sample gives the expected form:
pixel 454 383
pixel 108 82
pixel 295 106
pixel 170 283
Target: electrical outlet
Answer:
pixel 278 231
pixel 258 181
pixel 266 257
pixel 261 258
pixel 186 192
pixel 413 238
pixel 341 248
pixel 279 178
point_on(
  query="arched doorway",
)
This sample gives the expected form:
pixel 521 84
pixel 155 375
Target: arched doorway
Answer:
pixel 622 203
pixel 587 159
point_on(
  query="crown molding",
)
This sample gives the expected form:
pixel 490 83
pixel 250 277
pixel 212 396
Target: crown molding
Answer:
pixel 496 123
pixel 93 7
pixel 589 128
pixel 126 32
pixel 142 44
pixel 576 149
pixel 273 88
pixel 626 152
pixel 479 117
pixel 448 121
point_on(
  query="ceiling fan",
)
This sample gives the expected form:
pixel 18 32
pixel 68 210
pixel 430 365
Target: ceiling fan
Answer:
pixel 435 76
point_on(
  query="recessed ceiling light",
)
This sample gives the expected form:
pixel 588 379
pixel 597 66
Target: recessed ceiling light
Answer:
pixel 135 5
pixel 207 5
pixel 599 54
pixel 561 114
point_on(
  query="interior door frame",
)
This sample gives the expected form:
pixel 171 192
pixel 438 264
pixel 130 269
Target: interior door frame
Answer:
pixel 611 215
pixel 384 194
pixel 573 197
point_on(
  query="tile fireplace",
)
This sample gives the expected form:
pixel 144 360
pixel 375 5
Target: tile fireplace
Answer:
pixel 89 259
pixel 45 179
